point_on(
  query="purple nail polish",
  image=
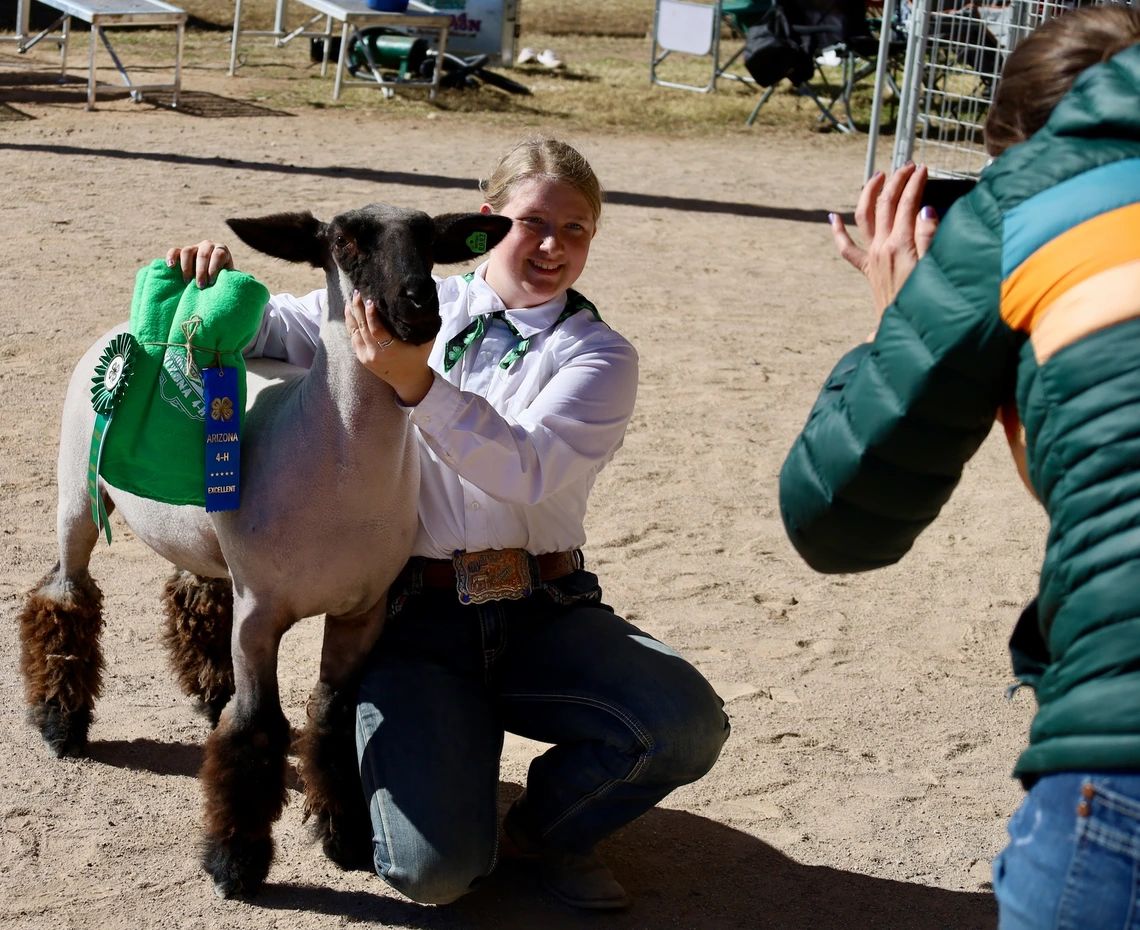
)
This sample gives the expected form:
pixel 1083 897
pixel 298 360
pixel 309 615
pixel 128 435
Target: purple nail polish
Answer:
pixel 170 263
pixel 831 218
pixel 928 213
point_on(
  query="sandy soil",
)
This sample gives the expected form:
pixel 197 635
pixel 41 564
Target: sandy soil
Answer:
pixel 866 783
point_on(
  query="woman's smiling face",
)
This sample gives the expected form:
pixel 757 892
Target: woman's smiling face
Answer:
pixel 546 249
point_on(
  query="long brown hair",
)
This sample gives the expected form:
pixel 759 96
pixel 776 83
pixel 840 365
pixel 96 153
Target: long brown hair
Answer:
pixel 1042 68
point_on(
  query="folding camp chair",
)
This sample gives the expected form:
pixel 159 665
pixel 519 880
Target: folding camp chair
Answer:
pixel 842 28
pixel 786 44
pixel 695 29
pixel 859 51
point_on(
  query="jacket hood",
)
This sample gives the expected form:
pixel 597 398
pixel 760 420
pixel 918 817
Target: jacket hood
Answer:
pixel 1103 100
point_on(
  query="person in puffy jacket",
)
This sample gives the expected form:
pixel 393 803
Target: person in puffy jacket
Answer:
pixel 1024 306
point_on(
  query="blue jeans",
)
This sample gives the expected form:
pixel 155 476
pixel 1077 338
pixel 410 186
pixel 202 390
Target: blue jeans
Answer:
pixel 1073 860
pixel 630 721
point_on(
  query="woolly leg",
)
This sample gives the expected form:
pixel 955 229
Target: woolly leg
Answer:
pixel 333 793
pixel 243 778
pixel 61 659
pixel 199 620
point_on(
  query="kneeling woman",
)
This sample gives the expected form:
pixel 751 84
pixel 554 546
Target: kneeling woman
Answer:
pixel 495 625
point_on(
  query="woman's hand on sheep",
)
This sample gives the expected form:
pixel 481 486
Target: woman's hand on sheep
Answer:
pixel 896 229
pixel 400 364
pixel 201 262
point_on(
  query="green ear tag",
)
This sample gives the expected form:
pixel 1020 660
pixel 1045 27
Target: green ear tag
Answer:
pixel 477 242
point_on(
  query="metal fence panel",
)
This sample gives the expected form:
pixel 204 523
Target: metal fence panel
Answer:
pixel 955 53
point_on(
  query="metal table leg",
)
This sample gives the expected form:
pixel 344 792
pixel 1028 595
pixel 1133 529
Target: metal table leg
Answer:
pixel 91 71
pixel 234 42
pixel 438 63
pixel 341 60
pixel 63 47
pixel 178 66
pixel 328 44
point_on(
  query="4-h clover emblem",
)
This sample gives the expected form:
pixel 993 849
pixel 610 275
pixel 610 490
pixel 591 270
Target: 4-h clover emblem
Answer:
pixel 221 408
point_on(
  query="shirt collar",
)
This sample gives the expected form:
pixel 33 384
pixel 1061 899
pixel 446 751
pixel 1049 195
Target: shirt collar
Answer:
pixel 482 299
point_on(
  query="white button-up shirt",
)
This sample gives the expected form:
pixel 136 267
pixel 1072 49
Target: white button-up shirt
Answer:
pixel 508 456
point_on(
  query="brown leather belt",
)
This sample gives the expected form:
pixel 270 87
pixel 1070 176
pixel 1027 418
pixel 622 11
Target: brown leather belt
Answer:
pixel 496 574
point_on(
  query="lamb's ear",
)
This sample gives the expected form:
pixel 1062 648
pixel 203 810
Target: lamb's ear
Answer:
pixel 295 237
pixel 463 236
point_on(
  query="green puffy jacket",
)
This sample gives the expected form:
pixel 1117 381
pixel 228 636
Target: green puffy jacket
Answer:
pixel 1030 292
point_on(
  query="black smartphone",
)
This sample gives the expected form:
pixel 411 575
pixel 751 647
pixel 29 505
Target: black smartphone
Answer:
pixel 940 193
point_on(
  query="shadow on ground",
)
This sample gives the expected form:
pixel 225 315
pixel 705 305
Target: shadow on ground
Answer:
pixel 681 870
pixel 412 179
pixel 51 88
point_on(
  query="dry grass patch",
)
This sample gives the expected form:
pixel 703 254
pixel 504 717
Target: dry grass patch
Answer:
pixel 604 84
pixel 628 18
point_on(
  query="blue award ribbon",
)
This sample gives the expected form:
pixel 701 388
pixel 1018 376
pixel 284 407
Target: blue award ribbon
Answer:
pixel 223 438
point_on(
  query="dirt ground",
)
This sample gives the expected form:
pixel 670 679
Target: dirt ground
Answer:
pixel 866 783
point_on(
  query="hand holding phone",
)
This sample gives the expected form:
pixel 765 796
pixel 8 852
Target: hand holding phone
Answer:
pixel 896 231
pixel 940 193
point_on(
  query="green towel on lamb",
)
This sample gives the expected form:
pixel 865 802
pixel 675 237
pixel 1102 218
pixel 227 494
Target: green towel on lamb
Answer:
pixel 156 440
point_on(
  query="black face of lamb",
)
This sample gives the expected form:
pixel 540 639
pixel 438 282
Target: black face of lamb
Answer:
pixel 386 252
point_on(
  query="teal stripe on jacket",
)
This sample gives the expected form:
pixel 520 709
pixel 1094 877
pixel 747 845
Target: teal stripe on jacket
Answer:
pixel 1045 216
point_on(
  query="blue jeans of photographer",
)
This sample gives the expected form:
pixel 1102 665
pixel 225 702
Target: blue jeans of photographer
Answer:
pixel 630 721
pixel 1073 860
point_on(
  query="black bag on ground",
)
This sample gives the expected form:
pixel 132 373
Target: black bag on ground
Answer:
pixel 773 52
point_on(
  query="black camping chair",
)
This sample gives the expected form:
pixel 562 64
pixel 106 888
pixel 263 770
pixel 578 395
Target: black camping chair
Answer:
pixel 795 33
pixel 859 52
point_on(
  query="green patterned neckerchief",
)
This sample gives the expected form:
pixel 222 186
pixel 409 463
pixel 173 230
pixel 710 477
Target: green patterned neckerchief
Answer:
pixel 459 344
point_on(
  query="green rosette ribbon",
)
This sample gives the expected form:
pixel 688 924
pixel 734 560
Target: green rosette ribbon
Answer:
pixel 112 374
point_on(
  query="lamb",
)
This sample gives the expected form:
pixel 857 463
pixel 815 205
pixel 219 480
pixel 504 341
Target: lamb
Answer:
pixel 329 478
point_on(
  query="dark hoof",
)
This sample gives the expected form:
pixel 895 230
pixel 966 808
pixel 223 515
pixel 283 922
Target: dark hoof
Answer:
pixel 238 867
pixel 213 709
pixel 350 847
pixel 65 732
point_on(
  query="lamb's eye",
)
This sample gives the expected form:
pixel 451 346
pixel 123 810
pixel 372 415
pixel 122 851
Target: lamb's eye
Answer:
pixel 339 242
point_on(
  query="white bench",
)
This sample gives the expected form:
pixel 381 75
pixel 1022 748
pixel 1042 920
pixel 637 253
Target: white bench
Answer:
pixel 351 14
pixel 102 14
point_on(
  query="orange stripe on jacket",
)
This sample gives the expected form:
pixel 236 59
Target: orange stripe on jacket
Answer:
pixel 1082 252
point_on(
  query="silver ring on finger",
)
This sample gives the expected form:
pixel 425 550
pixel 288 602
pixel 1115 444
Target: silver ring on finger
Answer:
pixel 384 345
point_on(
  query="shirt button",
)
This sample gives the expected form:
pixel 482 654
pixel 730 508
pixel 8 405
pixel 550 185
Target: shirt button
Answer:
pixel 475 506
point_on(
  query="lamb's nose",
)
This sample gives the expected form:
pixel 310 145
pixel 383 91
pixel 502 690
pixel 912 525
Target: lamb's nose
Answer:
pixel 421 294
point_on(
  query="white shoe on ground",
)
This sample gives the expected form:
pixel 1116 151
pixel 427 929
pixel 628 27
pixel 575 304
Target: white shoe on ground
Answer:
pixel 527 56
pixel 549 59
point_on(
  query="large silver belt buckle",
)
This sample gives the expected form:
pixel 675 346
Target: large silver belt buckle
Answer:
pixel 492 575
